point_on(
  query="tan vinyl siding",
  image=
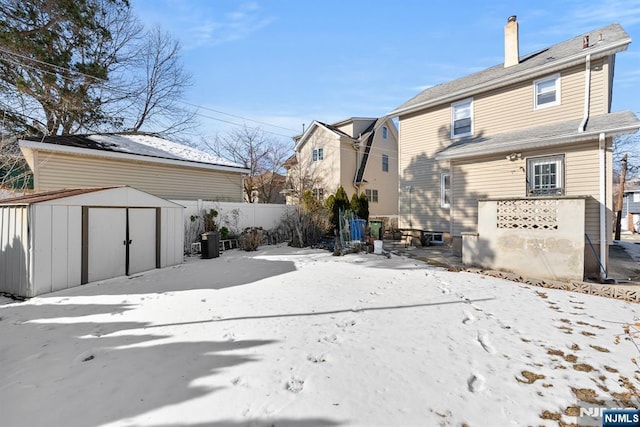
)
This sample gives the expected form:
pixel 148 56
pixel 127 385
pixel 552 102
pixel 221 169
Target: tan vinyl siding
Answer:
pixel 347 166
pixel 57 171
pixel 385 182
pixel 325 172
pixel 422 136
pixel 516 102
pixel 496 177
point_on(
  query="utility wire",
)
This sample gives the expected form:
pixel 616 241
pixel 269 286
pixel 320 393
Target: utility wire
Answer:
pixel 122 91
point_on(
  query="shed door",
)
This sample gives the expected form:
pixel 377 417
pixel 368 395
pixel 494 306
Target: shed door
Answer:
pixel 142 238
pixel 107 243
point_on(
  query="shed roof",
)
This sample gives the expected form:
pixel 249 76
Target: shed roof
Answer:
pixel 619 123
pixel 614 39
pixel 46 196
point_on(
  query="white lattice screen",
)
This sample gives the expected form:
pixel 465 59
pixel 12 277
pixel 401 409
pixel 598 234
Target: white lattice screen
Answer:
pixel 537 214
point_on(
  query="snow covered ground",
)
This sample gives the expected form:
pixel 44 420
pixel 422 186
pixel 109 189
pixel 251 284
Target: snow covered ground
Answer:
pixel 285 336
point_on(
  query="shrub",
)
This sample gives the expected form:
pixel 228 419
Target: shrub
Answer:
pixel 224 233
pixel 250 239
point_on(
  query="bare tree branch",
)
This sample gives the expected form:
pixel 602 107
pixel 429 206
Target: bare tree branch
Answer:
pixel 262 155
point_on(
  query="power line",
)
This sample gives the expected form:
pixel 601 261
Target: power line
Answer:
pixel 122 91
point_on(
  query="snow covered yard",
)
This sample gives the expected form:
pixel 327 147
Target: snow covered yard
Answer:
pixel 285 336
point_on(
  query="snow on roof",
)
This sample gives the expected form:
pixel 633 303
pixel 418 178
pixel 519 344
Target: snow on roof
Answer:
pixel 151 145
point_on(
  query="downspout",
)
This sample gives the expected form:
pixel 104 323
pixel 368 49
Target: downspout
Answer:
pixel 587 94
pixel 602 146
pixel 356 146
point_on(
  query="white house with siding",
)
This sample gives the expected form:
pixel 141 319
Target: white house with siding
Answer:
pixel 359 153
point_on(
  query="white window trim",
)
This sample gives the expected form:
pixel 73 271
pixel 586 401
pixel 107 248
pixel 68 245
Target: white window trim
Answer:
pixel 453 108
pixel 318 193
pixel 555 77
pixel 370 197
pixel 560 158
pixel 443 203
pixel 318 153
pixel 636 197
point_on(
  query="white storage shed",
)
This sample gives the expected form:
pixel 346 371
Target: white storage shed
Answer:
pixel 61 239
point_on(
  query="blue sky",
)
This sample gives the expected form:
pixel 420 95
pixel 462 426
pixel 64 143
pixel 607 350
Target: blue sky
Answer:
pixel 289 62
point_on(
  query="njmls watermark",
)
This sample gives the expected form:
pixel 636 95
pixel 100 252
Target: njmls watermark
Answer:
pixel 608 416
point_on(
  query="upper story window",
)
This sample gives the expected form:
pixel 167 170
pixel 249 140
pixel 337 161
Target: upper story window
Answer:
pixel 318 194
pixel 445 190
pixel 462 118
pixel 318 154
pixel 545 176
pixel 546 92
pixel 372 195
pixel 385 132
pixel 385 163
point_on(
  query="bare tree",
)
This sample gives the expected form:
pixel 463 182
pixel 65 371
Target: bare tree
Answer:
pixel 162 83
pixel 629 146
pixel 302 176
pixel 263 156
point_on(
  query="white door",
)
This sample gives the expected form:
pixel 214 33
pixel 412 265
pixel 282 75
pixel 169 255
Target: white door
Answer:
pixel 142 239
pixel 107 243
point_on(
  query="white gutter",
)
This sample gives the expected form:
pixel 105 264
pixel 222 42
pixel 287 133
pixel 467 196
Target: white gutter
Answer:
pixel 513 78
pixel 356 146
pixel 54 148
pixel 603 206
pixel 587 90
pixel 531 143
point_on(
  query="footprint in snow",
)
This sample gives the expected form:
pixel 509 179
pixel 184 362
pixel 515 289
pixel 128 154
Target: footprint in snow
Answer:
pixel 239 381
pixel 476 383
pixel 468 318
pixel 346 324
pixel 333 338
pixel 295 385
pixel 444 289
pixel 483 339
pixel 230 336
pixel 317 359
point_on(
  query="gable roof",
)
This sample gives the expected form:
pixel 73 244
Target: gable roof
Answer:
pixel 545 61
pixel 145 145
pixel 302 139
pixel 613 124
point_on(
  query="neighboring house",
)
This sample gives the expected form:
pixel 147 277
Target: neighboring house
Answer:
pixel 631 210
pixel 359 154
pixel 538 127
pixel 149 163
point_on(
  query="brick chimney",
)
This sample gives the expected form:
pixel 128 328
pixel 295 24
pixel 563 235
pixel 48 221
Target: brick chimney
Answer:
pixel 511 43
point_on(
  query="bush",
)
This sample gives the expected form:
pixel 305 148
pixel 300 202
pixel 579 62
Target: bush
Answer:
pixel 224 233
pixel 305 225
pixel 250 239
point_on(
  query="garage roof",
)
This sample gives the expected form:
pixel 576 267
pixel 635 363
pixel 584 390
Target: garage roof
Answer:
pixel 138 144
